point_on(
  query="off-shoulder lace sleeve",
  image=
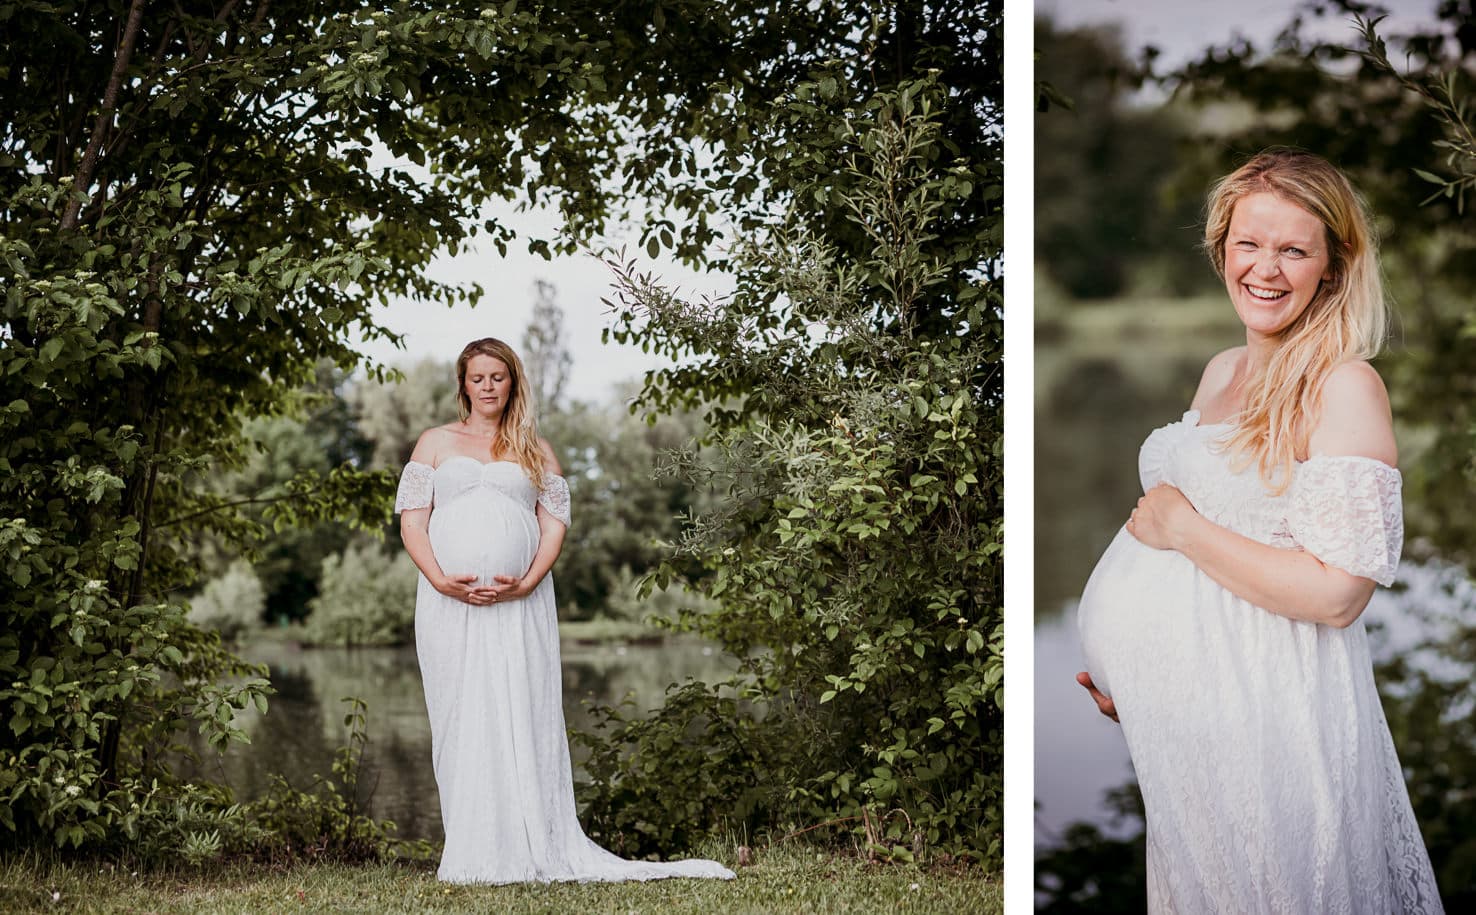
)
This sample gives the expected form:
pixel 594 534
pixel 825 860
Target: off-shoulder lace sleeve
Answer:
pixel 1157 451
pixel 1346 511
pixel 555 497
pixel 416 487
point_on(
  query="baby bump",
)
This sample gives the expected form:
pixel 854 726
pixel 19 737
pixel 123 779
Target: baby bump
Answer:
pixel 475 535
pixel 1133 611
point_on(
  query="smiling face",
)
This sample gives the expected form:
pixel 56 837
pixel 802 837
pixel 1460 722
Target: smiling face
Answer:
pixel 488 386
pixel 1275 259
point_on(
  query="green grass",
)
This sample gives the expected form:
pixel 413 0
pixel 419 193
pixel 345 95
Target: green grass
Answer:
pixel 789 879
pixel 604 629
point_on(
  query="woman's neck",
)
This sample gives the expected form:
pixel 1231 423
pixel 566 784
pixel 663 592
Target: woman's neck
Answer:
pixel 1258 351
pixel 483 428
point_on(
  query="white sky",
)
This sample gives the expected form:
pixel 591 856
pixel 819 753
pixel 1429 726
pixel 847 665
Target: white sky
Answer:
pixel 435 331
pixel 1182 28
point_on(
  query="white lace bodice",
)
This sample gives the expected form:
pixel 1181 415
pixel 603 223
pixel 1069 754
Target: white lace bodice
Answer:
pixel 424 486
pixel 1344 510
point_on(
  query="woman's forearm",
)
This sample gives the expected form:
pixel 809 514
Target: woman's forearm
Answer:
pixel 550 543
pixel 1291 583
pixel 414 535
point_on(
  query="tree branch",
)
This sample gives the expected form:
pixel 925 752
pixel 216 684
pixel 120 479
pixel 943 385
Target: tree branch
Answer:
pixel 222 506
pixel 83 178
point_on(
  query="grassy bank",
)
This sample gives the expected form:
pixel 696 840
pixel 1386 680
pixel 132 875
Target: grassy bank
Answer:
pixel 594 631
pixel 1148 341
pixel 794 879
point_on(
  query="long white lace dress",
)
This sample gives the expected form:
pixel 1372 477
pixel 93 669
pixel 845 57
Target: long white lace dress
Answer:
pixel 493 688
pixel 1268 774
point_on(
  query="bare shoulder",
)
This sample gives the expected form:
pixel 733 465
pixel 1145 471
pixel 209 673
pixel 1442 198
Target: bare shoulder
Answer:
pixel 551 460
pixel 1218 373
pixel 431 444
pixel 1355 418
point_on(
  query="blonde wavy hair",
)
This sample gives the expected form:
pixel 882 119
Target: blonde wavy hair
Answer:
pixel 1347 318
pixel 517 434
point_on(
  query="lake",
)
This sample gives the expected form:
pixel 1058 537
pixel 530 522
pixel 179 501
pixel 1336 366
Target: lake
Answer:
pixel 304 725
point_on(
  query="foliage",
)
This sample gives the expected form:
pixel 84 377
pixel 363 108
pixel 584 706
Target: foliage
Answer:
pixel 57 788
pixel 192 221
pixel 198 826
pixel 231 604
pixel 325 822
pixel 367 597
pixel 1443 95
pixel 315 434
pixel 702 761
pixel 1426 689
pixel 392 413
pixel 1438 379
pixel 629 600
pixel 854 400
pixel 1090 871
pixel 625 513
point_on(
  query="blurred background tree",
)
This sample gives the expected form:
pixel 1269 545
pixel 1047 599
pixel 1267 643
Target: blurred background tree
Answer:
pixel 1109 218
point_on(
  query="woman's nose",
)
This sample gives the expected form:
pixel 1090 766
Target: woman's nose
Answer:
pixel 1268 264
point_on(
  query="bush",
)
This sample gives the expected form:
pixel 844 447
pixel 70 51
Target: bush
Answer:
pixel 231 604
pixel 367 597
pixel 699 768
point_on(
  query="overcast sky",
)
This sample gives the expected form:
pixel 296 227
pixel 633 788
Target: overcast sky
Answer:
pixel 1181 28
pixel 439 332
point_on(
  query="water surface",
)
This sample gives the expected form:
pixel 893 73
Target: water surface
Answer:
pixel 304 725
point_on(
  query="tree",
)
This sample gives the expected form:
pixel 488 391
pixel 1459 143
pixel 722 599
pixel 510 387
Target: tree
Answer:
pixel 392 413
pixel 191 222
pixel 1106 206
pixel 545 353
pixel 852 387
pixel 627 511
pixel 231 603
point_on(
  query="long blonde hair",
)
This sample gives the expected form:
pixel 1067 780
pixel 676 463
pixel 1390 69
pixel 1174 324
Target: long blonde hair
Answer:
pixel 517 434
pixel 1347 318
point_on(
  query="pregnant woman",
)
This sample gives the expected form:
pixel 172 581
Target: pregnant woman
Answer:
pixel 1222 624
pixel 483 514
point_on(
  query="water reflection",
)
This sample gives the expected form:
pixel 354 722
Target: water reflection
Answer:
pixel 1092 417
pixel 304 727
